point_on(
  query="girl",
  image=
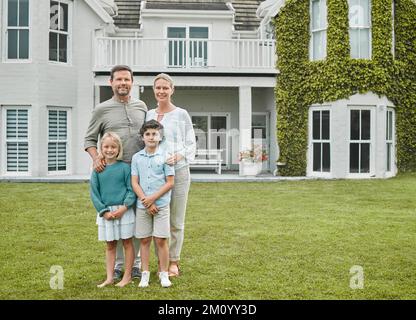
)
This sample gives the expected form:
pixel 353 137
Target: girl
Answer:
pixel 113 198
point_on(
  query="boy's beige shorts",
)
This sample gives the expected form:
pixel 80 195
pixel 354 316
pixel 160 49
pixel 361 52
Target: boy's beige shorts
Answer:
pixel 157 225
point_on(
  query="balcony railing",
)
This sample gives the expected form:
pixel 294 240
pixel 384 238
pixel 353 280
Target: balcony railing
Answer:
pixel 186 55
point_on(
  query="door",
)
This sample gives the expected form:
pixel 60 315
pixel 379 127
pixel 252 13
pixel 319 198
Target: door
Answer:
pixel 260 134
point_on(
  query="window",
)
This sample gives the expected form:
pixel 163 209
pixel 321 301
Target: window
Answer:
pixel 389 140
pixel 17 31
pixel 321 146
pixel 211 132
pixel 17 140
pixel 318 28
pixel 360 141
pixel 188 46
pixel 360 28
pixel 57 140
pixel 59 31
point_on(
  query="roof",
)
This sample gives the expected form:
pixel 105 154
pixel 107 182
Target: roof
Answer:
pixel 186 5
pixel 245 10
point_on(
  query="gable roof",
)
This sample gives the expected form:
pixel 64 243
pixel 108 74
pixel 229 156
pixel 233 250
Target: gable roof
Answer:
pixel 245 10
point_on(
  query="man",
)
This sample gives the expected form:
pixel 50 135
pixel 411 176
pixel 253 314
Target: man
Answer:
pixel 124 116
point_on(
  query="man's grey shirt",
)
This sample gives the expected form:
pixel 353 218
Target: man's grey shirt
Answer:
pixel 125 119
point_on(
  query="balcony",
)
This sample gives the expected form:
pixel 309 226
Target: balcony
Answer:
pixel 186 55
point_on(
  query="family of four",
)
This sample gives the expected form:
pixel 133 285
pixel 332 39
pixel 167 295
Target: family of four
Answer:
pixel 140 182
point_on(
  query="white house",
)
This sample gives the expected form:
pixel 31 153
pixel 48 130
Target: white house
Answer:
pixel 55 62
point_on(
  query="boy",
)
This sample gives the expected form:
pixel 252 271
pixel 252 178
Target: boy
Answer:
pixel 152 179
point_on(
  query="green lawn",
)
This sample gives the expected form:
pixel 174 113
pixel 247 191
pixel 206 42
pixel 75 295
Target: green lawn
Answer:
pixel 282 240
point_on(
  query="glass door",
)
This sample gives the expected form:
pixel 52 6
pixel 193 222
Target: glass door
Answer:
pixel 177 47
pixel 260 133
pixel 211 132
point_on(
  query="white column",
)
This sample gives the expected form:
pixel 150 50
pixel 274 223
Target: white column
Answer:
pixel 245 111
pixel 96 95
pixel 135 92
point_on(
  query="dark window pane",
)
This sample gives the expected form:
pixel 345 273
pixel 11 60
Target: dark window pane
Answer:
pixel 54 16
pixel 365 125
pixel 325 125
pixel 355 125
pixel 64 17
pixel 12 44
pixel 176 32
pixel 12 13
pixel 198 32
pixel 62 48
pixel 389 125
pixel 218 123
pixel 354 157
pixel 53 46
pixel 316 157
pixel 326 157
pixel 365 158
pixel 316 125
pixel 24 13
pixel 23 44
pixel 388 167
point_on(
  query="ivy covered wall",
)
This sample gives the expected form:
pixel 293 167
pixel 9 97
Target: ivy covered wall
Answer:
pixel 302 83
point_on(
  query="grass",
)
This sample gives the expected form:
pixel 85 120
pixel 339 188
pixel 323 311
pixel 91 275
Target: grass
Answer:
pixel 283 240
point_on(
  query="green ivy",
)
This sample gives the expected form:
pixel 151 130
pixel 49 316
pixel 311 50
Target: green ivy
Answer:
pixel 302 83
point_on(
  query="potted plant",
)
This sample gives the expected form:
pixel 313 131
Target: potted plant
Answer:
pixel 252 160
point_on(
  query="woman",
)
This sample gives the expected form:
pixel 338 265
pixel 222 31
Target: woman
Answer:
pixel 180 144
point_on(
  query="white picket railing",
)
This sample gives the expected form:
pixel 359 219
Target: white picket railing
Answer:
pixel 142 54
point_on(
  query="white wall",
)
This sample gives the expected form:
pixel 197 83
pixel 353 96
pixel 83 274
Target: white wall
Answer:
pixel 40 83
pixel 340 132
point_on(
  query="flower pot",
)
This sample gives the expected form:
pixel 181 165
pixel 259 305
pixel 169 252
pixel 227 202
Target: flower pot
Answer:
pixel 250 168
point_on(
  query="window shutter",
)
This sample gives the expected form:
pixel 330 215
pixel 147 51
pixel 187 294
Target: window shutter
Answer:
pixel 17 140
pixel 57 145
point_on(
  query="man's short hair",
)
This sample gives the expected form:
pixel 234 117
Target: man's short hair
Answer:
pixel 120 67
pixel 151 124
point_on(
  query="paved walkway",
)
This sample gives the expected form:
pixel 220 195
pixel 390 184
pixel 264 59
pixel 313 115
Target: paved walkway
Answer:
pixel 227 176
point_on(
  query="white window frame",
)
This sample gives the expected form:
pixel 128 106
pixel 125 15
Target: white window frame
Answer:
pixel 5 141
pixel 187 39
pixel 5 38
pixel 390 141
pixel 226 163
pixel 362 27
pixel 371 141
pixel 311 172
pixel 312 31
pixel 68 144
pixel 67 33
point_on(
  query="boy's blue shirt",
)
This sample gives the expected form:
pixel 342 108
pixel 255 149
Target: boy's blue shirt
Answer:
pixel 152 171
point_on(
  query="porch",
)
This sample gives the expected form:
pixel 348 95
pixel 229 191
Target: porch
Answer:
pixel 186 55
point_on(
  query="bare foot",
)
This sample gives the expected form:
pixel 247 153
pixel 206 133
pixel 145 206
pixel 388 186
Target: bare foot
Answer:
pixel 174 270
pixel 105 283
pixel 123 283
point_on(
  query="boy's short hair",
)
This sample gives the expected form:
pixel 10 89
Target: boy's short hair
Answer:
pixel 151 124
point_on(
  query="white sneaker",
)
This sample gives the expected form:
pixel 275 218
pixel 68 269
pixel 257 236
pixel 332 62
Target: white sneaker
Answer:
pixel 144 282
pixel 164 279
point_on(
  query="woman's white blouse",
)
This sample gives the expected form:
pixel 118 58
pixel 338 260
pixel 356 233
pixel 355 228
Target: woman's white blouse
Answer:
pixel 179 135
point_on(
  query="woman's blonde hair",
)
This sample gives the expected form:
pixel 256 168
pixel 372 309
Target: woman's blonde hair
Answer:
pixel 115 137
pixel 166 77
